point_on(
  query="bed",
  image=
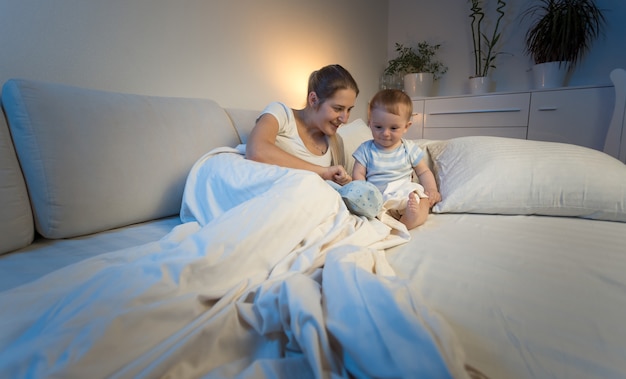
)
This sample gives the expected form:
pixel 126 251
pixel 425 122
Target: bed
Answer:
pixel 517 273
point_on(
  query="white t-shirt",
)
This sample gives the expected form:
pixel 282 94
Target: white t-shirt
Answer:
pixel 288 138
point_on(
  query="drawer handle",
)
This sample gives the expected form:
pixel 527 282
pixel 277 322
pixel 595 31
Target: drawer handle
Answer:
pixel 544 109
pixel 478 111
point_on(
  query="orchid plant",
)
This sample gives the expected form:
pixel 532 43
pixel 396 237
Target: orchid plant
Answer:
pixel 485 44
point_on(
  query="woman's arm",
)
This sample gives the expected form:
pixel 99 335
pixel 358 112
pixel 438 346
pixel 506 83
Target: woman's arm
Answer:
pixel 261 147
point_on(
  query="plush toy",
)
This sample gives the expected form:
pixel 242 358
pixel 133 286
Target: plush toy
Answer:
pixel 361 198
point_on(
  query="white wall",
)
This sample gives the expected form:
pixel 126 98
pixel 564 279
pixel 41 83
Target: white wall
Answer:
pixel 447 22
pixel 245 53
pixel 241 53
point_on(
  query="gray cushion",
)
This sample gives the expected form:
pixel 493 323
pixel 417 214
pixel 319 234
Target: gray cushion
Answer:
pixel 96 160
pixel 243 120
pixel 16 219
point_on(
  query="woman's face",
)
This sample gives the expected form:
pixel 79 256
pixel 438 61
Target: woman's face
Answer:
pixel 335 111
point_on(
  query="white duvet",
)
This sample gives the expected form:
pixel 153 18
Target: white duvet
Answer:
pixel 268 276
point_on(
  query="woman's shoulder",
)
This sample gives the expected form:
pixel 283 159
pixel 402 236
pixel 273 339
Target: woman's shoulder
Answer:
pixel 280 111
pixel 277 106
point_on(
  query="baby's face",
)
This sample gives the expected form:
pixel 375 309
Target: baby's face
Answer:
pixel 387 128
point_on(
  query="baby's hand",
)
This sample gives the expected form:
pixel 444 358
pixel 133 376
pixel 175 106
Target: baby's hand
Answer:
pixel 433 196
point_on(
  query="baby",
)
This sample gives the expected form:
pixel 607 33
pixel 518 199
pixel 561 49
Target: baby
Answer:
pixel 388 161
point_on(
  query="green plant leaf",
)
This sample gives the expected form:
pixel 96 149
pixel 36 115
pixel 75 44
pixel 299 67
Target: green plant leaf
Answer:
pixel 485 45
pixel 422 58
pixel 562 30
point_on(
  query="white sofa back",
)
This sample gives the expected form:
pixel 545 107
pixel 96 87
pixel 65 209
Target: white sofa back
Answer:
pixel 95 160
pixel 16 220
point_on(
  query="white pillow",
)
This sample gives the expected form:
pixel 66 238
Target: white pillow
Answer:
pixel 498 175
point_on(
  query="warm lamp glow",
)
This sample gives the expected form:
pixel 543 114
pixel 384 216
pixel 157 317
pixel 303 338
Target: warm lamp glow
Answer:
pixel 289 58
pixel 291 79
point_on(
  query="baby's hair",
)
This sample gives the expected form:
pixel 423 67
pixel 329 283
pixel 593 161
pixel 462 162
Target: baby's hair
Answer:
pixel 392 101
pixel 328 80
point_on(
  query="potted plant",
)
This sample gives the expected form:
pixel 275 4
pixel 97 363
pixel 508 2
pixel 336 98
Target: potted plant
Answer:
pixel 559 36
pixel 485 52
pixel 418 67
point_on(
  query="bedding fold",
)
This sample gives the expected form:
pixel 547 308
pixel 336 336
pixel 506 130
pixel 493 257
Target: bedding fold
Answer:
pixel 249 286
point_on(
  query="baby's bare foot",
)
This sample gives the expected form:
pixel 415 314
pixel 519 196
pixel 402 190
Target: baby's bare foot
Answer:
pixel 412 216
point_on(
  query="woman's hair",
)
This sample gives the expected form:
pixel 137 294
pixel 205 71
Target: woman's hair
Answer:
pixel 392 101
pixel 328 80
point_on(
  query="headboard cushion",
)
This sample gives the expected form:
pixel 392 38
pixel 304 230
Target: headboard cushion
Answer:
pixel 95 160
pixel 243 120
pixel 16 220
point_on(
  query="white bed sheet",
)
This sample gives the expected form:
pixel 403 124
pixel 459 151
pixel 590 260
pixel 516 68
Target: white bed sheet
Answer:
pixel 45 256
pixel 221 296
pixel 528 296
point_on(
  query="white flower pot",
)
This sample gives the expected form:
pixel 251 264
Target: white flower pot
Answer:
pixel 479 85
pixel 419 84
pixel 549 75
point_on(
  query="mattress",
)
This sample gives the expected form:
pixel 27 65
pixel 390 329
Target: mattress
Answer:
pixel 45 256
pixel 518 273
pixel 528 296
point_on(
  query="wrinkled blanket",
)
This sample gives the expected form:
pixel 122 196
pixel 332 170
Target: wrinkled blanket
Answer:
pixel 268 276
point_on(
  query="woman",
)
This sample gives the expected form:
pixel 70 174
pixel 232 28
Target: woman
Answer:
pixel 307 138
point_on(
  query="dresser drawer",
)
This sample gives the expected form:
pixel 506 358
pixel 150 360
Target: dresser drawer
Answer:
pixel 576 116
pixel 417 121
pixel 504 110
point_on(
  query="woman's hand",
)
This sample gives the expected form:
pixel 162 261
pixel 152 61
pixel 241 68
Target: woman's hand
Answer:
pixel 337 174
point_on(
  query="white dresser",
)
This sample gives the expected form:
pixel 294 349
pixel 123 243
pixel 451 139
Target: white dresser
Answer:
pixel 577 115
